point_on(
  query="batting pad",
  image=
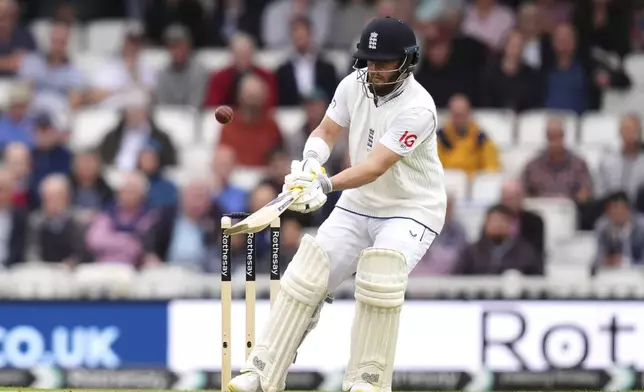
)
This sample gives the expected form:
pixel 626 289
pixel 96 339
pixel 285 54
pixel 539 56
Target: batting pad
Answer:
pixel 381 281
pixel 303 288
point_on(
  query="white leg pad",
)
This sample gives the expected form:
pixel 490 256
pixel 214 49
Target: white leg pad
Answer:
pixel 381 281
pixel 303 288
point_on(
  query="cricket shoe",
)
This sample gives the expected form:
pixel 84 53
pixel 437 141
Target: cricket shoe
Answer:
pixel 363 387
pixel 248 382
pixel 245 382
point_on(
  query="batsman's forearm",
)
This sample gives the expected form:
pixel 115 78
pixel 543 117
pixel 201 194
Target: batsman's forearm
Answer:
pixel 355 177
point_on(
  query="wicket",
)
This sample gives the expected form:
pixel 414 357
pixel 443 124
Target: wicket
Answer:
pixel 250 289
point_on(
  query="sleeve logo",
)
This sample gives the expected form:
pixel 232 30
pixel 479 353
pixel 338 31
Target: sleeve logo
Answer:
pixel 408 139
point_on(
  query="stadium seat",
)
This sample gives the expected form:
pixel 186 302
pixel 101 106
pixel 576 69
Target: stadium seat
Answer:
pixel 290 121
pixel 486 188
pixel 531 129
pixel 600 129
pixel 498 125
pixel 155 58
pixel 38 280
pixel 106 36
pixel 168 282
pixel 567 280
pixel 111 279
pixel 247 177
pixel 213 59
pixel 515 159
pixel 88 63
pixel 5 87
pixel 41 29
pixel 622 102
pixel 472 217
pixel 89 126
pixel 180 123
pixel 209 129
pixel 341 60
pixel 196 158
pixel 270 59
pixel 457 183
pixel 559 217
pixel 593 156
pixel 113 176
pixel 634 67
pixel 619 282
pixel 580 249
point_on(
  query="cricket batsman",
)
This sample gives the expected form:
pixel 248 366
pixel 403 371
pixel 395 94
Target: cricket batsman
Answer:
pixel 391 210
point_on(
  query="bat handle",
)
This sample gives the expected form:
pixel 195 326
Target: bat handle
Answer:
pixel 238 215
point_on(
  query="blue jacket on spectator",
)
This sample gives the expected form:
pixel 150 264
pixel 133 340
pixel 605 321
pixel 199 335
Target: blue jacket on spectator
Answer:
pixel 162 193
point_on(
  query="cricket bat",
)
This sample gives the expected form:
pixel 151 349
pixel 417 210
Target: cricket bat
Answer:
pixel 263 217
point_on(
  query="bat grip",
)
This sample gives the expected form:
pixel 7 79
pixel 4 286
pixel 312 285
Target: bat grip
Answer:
pixel 238 215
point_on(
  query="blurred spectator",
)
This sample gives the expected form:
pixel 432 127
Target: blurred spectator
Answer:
pixel 441 258
pixel 161 14
pixel 49 156
pixel 233 16
pixel 15 40
pixel 451 62
pixel 121 146
pixel 537 46
pixel 567 82
pixel 315 106
pixel 16 125
pixel 620 234
pixel 555 12
pixel 116 235
pixel 66 12
pixel 278 14
pixel 305 70
pixel 344 27
pixel 17 160
pixel 55 229
pixel 498 251
pixel 509 83
pixel 228 197
pixel 252 122
pixel 112 83
pixel 90 191
pixel 162 192
pixel 462 145
pixel 58 84
pixel 605 25
pixel 557 172
pixel 13 224
pixel 527 224
pixel 187 234
pixel 488 22
pixel 183 82
pixel 223 86
pixel 624 170
pixel 290 241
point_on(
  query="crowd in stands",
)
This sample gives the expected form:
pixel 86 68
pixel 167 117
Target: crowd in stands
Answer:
pixel 58 205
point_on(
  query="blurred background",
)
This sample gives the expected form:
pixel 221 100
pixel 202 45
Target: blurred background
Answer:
pixel 115 175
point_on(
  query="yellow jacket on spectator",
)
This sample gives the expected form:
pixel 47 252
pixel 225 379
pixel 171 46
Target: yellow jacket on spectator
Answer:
pixel 471 151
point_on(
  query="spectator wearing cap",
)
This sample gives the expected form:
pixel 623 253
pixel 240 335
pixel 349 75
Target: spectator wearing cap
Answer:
pixel 162 192
pixel 16 125
pixel 111 83
pixel 58 84
pixel 49 156
pixel 122 145
pixel 15 40
pixel 184 80
pixel 223 86
pixel 305 70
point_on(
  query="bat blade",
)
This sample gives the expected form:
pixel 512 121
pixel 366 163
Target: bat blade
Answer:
pixel 263 217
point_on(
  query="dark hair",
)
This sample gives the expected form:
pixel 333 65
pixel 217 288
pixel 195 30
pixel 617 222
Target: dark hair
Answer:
pixel 500 209
pixel 301 20
pixel 617 197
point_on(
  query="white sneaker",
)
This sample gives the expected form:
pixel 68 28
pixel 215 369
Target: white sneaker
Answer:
pixel 245 382
pixel 363 387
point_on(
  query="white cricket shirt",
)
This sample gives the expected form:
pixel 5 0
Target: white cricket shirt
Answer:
pixel 406 123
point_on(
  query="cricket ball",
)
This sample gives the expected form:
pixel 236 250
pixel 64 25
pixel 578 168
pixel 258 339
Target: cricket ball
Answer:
pixel 224 114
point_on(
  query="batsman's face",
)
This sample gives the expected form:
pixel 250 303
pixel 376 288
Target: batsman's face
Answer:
pixel 382 72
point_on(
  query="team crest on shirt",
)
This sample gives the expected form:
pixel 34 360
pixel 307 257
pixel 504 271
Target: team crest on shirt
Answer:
pixel 370 139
